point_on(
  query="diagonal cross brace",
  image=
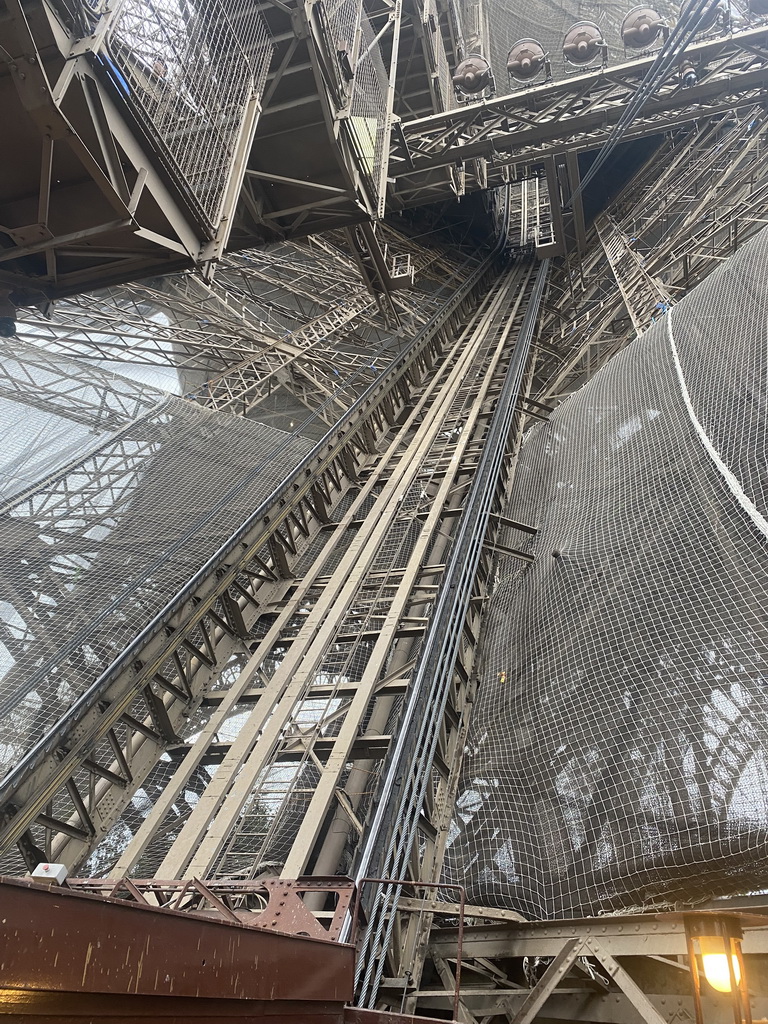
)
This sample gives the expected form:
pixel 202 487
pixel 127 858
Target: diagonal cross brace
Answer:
pixel 544 988
pixel 628 985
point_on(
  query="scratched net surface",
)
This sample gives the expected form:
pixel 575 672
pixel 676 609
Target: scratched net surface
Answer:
pixel 617 755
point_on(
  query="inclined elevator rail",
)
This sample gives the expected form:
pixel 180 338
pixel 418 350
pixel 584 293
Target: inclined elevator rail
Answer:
pixel 295 783
pixel 89 765
pixel 392 832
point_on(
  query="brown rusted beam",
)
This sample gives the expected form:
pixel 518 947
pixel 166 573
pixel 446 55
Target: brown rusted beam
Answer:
pixel 74 953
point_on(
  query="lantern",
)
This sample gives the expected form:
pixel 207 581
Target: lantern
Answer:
pixel 717 966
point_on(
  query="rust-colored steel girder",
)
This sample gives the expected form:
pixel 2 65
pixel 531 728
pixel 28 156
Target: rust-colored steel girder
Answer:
pixel 80 951
pixel 73 954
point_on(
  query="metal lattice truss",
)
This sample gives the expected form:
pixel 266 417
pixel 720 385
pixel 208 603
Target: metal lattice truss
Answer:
pixel 66 792
pixel 288 317
pixel 499 968
pixel 111 199
pixel 358 120
pixel 321 155
pixel 517 135
pixel 159 134
pixel 322 692
pixel 694 202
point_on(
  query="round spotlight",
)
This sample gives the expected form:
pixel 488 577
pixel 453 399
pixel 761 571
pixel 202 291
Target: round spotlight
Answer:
pixel 526 59
pixel 582 43
pixel 472 75
pixel 640 27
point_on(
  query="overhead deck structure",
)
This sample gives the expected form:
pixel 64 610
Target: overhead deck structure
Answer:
pixel 121 116
pixel 320 117
pixel 534 130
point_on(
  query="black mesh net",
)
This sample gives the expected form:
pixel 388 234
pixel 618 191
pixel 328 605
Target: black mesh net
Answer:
pixel 617 756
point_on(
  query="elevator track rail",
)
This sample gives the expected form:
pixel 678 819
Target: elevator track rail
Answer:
pixel 64 797
pixel 298 757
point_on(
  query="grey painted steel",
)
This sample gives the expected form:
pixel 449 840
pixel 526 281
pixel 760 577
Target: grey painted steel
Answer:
pixel 219 567
pixel 392 831
pixel 511 137
pixel 621 936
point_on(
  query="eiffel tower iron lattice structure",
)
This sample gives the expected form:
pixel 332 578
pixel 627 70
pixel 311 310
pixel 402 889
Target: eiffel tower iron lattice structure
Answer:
pixel 383 505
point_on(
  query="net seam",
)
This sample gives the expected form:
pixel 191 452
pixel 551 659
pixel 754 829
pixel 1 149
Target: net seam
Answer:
pixel 733 484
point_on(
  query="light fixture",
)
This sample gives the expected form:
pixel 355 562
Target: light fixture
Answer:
pixel 714 957
pixel 584 43
pixel 717 966
pixel 641 27
pixel 709 16
pixel 526 59
pixel 473 75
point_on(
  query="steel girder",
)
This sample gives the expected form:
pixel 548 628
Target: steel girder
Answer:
pixel 519 135
pixel 87 200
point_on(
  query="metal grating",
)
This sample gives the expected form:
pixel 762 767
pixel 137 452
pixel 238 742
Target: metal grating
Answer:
pixel 618 756
pixel 436 48
pixel 193 70
pixel 352 31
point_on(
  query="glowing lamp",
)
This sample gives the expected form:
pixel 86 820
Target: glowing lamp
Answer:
pixel 714 960
pixel 717 966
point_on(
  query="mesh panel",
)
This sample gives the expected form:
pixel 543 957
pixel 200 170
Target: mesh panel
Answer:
pixel 436 46
pixel 103 860
pixel 192 67
pixel 617 755
pixel 348 22
pixel 113 495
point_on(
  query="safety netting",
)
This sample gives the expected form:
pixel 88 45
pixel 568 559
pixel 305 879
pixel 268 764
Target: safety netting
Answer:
pixel 190 70
pixel 365 83
pixel 617 753
pixel 112 495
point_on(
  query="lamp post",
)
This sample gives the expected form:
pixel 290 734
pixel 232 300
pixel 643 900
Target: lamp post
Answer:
pixel 717 964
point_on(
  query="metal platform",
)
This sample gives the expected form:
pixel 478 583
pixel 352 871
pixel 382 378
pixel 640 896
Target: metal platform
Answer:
pixel 355 118
pixel 251 951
